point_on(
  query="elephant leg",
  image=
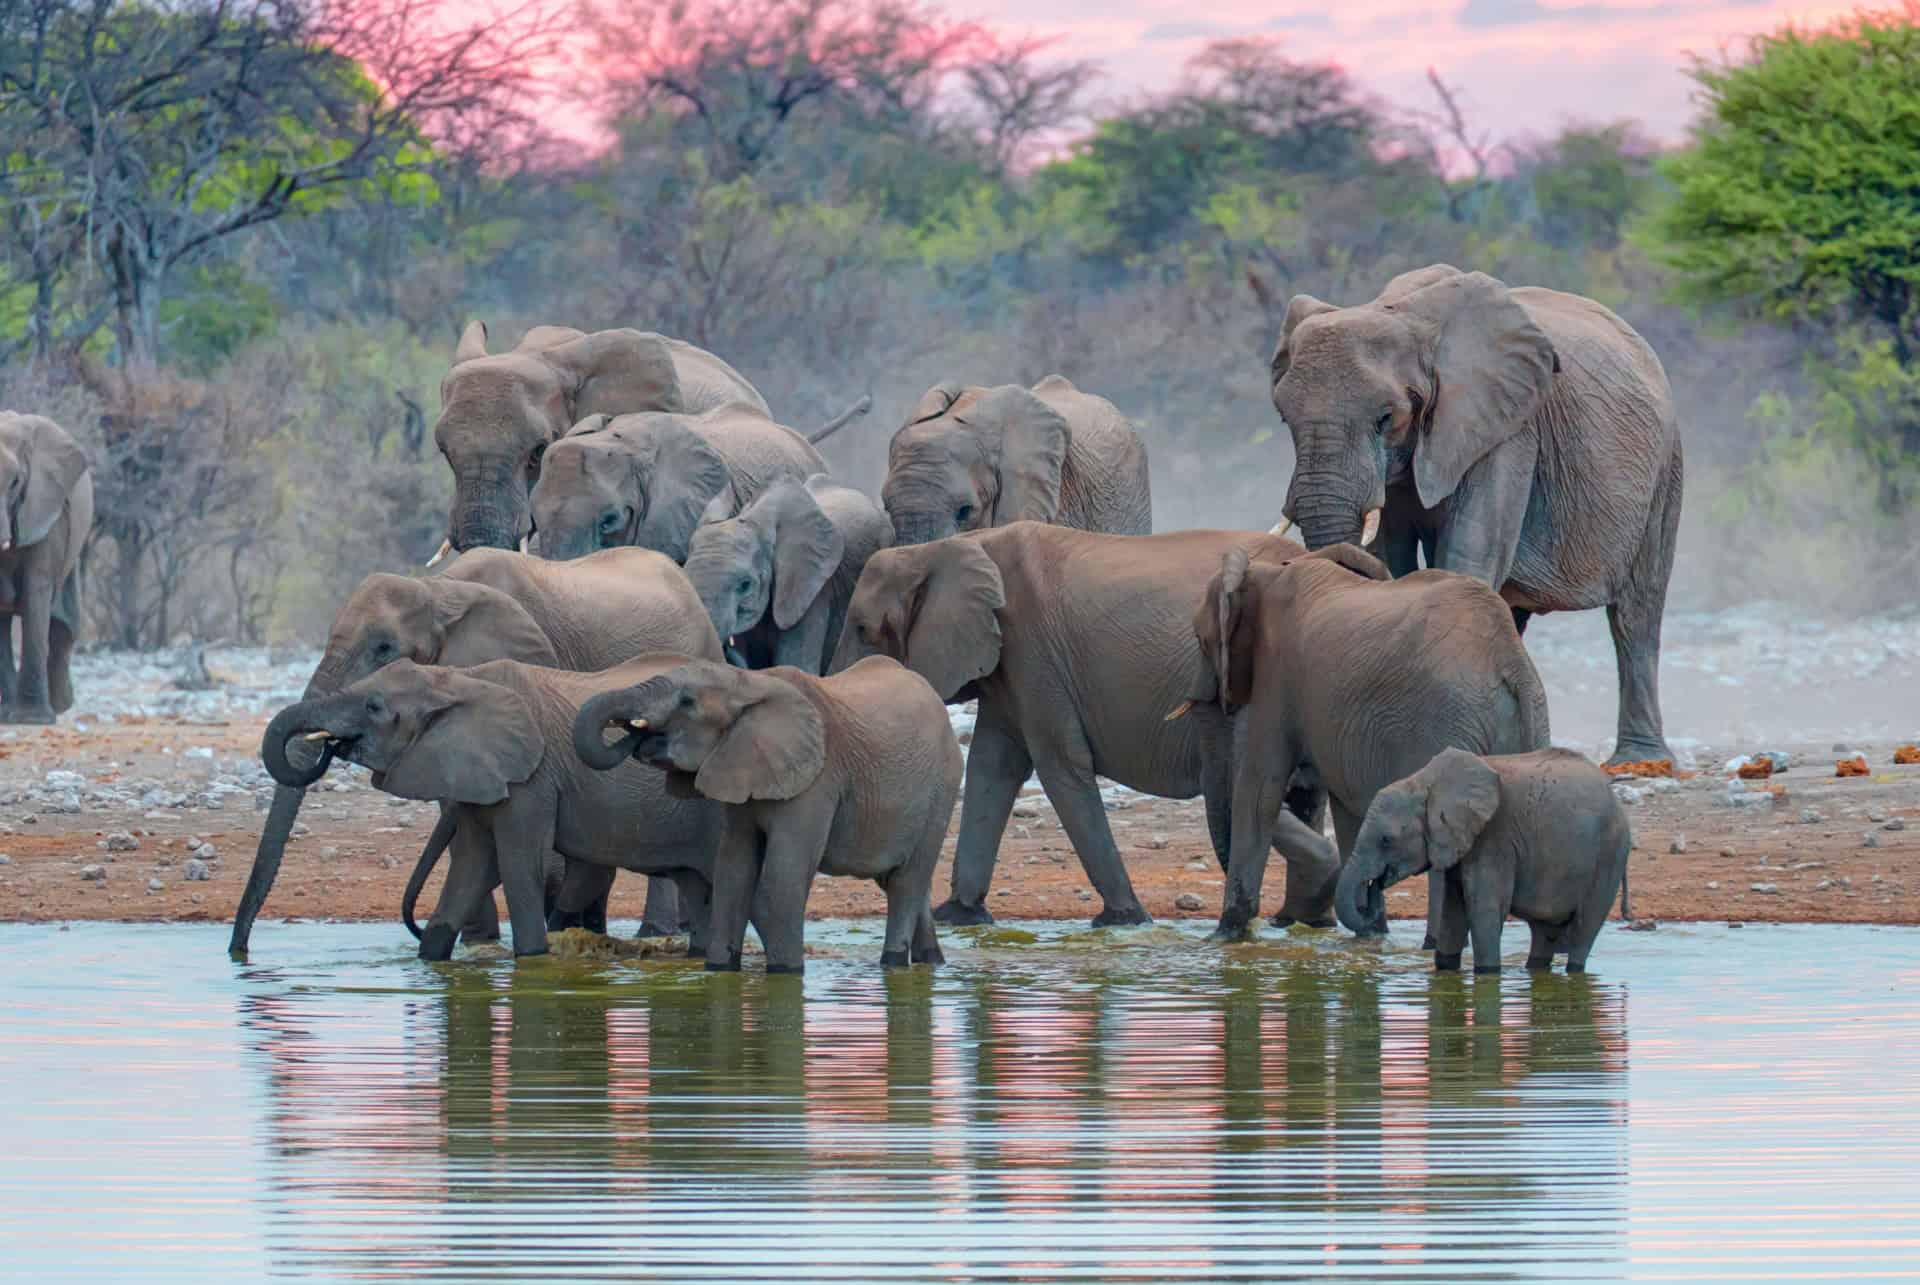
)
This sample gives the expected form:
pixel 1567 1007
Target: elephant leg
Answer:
pixel 1634 618
pixel 1346 827
pixel 1066 774
pixel 1448 907
pixel 485 924
pixel 736 884
pixel 1540 953
pixel 1486 917
pixel 472 872
pixel 664 914
pixel 997 766
pixel 1217 788
pixel 1485 515
pixel 926 942
pixel 9 675
pixel 696 903
pixel 908 889
pixel 582 899
pixel 60 639
pixel 522 837
pixel 36 619
pixel 793 851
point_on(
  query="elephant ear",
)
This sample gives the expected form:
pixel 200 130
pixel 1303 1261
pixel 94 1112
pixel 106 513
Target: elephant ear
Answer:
pixel 935 401
pixel 589 425
pixel 1463 793
pixel 807 549
pixel 478 623
pixel 1492 368
pixel 1299 308
pixel 721 508
pixel 953 636
pixel 774 747
pixel 1224 627
pixel 479 740
pixel 54 463
pixel 1351 556
pixel 1028 441
pixel 1418 279
pixel 680 474
pixel 473 343
pixel 619 372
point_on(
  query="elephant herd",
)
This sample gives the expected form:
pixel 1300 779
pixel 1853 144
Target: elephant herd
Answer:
pixel 638 550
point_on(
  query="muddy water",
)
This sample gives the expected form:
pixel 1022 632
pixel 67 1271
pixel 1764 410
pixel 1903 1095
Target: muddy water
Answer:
pixel 1710 1103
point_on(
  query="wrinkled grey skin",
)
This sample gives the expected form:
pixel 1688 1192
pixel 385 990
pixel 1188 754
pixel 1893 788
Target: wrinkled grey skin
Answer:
pixel 1328 664
pixel 1521 436
pixel 1537 836
pixel 46 511
pixel 493 743
pixel 492 604
pixel 500 412
pixel 854 775
pixel 1076 644
pixel 647 480
pixel 777 576
pixel 972 458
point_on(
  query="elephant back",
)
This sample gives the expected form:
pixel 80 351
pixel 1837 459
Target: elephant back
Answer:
pixel 708 382
pixel 1104 481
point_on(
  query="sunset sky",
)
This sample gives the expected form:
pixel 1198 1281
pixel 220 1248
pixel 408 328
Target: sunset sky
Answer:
pixel 1527 66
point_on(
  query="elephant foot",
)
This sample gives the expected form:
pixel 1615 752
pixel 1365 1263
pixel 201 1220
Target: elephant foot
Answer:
pixel 890 959
pixel 954 911
pixel 1446 961
pixel 1285 918
pixel 1233 930
pixel 1634 750
pixel 931 955
pixel 1122 917
pixel 436 943
pixel 1539 965
pixel 1488 971
pixel 529 953
pixel 732 965
pixel 794 970
pixel 650 929
pixel 1574 970
pixel 38 715
pixel 1428 943
pixel 480 931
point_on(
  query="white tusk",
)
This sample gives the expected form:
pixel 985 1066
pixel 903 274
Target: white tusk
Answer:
pixel 1370 527
pixel 1281 527
pixel 1179 711
pixel 446 547
pixel 638 724
pixel 523 544
pixel 317 736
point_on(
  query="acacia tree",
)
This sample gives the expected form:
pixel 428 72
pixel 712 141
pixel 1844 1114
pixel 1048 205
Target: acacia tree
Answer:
pixel 138 137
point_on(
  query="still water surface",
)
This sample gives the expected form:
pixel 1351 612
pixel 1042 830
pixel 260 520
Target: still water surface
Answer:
pixel 1711 1103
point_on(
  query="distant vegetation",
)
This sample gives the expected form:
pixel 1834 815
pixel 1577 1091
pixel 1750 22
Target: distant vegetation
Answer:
pixel 239 241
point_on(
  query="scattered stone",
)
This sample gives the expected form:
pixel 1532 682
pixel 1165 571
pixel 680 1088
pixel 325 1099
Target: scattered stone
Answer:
pixel 1823 885
pixel 1728 852
pixel 1154 842
pixel 1665 785
pixel 1084 895
pixel 1025 811
pixel 390 862
pixel 1677 845
pixel 1811 816
pixel 5 859
pixel 1841 747
pixel 94 874
pixel 1188 901
pixel 1895 824
pixel 156 885
pixel 329 854
pixel 1630 795
pixel 301 829
pixel 1876 816
pixel 197 871
pixel 121 841
pixel 1642 925
pixel 1003 892
pixel 1713 885
pixel 1869 840
pixel 1770 889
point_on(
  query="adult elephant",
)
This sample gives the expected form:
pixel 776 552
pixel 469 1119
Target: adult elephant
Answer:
pixel 648 479
pixel 500 411
pixel 493 604
pixel 970 458
pixel 1521 436
pixel 46 511
pixel 1076 644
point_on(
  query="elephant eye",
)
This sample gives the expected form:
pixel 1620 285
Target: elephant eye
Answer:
pixel 1386 422
pixel 612 521
pixel 746 586
pixel 533 460
pixel 962 513
pixel 383 648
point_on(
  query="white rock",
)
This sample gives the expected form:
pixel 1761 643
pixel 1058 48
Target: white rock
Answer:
pixel 156 884
pixel 93 874
pixel 1763 887
pixel 1869 840
pixel 1678 844
pixel 1188 901
pixel 197 871
pixel 121 841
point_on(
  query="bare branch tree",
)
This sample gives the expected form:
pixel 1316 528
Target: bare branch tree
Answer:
pixel 1023 100
pixel 1450 124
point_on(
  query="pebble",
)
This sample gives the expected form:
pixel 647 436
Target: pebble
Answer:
pixel 329 854
pixel 1642 925
pixel 1728 852
pixel 1188 901
pixel 121 841
pixel 1869 840
pixel 1677 844
pixel 1713 885
pixel 1811 816
pixel 156 885
pixel 1895 824
pixel 1196 865
pixel 1876 816
pixel 5 859
pixel 93 874
pixel 197 871
pixel 1841 747
pixel 1631 795
pixel 1025 811
pixel 205 851
pixel 1154 842
pixel 1823 885
pixel 1084 895
pixel 1769 888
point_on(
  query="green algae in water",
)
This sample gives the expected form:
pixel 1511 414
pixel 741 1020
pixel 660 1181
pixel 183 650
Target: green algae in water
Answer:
pixel 986 935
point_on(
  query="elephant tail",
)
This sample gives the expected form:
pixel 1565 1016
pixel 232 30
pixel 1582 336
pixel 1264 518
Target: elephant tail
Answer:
pixel 429 858
pixel 841 420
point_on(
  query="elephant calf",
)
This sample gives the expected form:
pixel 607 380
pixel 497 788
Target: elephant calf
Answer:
pixel 47 489
pixel 1538 836
pixel 776 576
pixel 493 744
pixel 851 775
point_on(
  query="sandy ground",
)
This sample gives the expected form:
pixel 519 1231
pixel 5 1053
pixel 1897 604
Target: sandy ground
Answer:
pixel 146 802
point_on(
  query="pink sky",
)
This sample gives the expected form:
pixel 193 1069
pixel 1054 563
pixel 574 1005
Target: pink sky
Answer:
pixel 1526 66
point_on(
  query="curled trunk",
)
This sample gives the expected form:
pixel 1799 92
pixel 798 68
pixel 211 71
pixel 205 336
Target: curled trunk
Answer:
pixel 295 720
pixel 1360 900
pixel 589 739
pixel 423 867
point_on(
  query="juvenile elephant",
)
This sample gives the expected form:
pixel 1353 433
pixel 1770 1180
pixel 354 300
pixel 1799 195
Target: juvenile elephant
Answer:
pixel 647 479
pixel 852 775
pixel 776 576
pixel 47 491
pixel 1539 836
pixel 1075 644
pixel 493 743
pixel 493 604
pixel 1360 679
pixel 971 457
pixel 500 412
pixel 1521 436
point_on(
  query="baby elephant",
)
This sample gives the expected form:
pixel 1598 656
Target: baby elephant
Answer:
pixel 851 775
pixel 1539 836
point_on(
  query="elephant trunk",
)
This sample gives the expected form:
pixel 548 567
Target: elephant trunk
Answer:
pixel 489 505
pixel 851 650
pixel 1359 899
pixel 921 526
pixel 1326 519
pixel 333 714
pixel 266 865
pixel 589 740
pixel 422 867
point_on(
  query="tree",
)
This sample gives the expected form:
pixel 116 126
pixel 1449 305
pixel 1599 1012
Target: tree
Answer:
pixel 138 137
pixel 1796 196
pixel 1587 182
